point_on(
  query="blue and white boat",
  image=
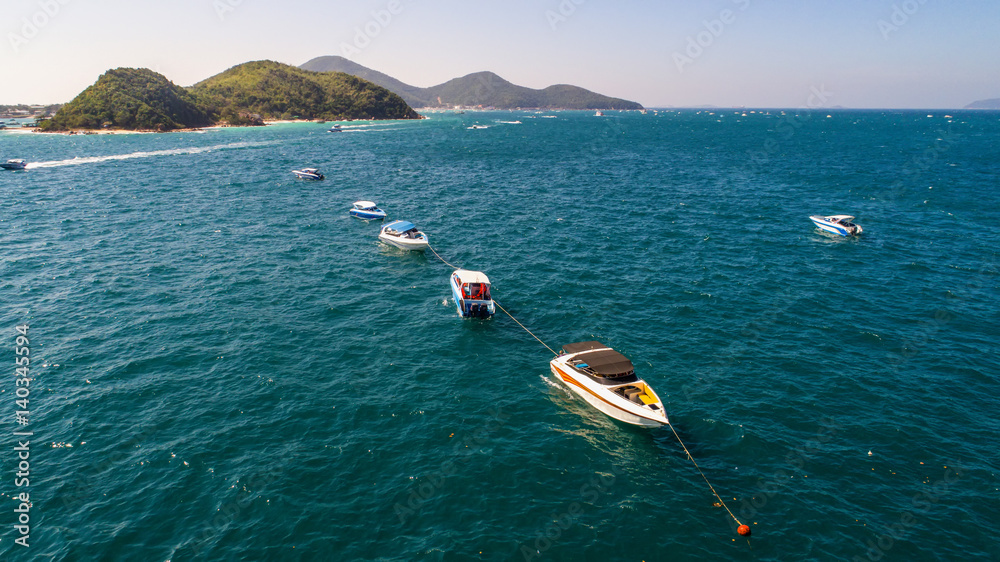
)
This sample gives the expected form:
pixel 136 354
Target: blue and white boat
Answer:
pixel 336 129
pixel 16 164
pixel 471 291
pixel 308 174
pixel 837 224
pixel 403 235
pixel 367 210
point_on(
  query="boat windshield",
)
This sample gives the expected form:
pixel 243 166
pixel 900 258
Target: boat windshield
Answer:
pixel 476 291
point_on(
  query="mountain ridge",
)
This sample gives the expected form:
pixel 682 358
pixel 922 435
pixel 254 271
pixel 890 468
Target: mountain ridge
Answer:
pixel 479 88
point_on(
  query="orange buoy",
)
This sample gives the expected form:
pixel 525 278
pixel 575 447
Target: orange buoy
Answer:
pixel 743 530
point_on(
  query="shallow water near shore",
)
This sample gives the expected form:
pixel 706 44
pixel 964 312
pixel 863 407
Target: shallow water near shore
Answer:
pixel 229 366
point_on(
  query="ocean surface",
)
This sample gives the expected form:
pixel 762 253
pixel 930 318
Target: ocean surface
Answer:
pixel 225 365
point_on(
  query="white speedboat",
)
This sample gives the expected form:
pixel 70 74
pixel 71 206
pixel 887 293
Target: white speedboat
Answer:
pixel 607 380
pixel 309 174
pixel 471 291
pixel 16 164
pixel 367 210
pixel 336 129
pixel 837 224
pixel 403 235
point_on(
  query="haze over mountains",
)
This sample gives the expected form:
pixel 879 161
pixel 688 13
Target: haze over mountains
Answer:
pixel 478 89
pixel 984 104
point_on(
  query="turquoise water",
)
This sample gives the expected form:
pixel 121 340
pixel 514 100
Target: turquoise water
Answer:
pixel 229 367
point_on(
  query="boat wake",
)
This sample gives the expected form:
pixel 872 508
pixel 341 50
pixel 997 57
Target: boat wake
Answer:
pixel 144 154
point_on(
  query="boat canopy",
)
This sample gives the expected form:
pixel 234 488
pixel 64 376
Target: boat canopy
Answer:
pixel 467 276
pixel 399 226
pixel 596 357
pixel 364 205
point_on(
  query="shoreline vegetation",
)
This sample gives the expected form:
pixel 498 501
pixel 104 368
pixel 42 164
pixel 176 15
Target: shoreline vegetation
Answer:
pixel 249 94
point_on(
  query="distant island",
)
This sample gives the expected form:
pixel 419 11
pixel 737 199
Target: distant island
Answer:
pixel 984 104
pixel 484 89
pixel 246 94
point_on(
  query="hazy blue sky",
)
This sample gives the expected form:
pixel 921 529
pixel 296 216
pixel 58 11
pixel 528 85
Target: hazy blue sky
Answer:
pixel 872 53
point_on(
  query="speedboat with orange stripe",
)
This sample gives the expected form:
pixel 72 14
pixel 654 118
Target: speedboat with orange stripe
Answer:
pixel 606 379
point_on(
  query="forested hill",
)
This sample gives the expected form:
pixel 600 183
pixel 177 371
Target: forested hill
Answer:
pixel 280 91
pixel 140 99
pixel 130 98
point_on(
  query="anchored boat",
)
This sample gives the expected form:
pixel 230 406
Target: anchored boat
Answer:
pixel 367 210
pixel 403 235
pixel 607 380
pixel 308 174
pixel 471 291
pixel 837 224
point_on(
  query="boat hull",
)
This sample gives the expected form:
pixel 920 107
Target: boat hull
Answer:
pixel 413 244
pixel 367 215
pixel 602 397
pixel 833 228
pixel 308 176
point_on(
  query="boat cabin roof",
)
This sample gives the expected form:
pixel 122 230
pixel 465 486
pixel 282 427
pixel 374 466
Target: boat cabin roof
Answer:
pixel 364 205
pixel 467 276
pixel 600 359
pixel 838 218
pixel 310 170
pixel 399 226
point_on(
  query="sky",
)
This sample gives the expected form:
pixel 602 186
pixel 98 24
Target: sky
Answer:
pixel 661 53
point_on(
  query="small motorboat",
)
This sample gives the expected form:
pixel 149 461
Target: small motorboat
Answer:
pixel 308 174
pixel 607 380
pixel 367 210
pixel 403 235
pixel 599 113
pixel 336 129
pixel 837 224
pixel 16 164
pixel 471 291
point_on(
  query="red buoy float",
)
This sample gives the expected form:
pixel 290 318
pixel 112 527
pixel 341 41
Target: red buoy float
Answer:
pixel 743 530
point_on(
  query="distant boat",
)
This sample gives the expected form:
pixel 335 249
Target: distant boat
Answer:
pixel 367 210
pixel 309 174
pixel 403 235
pixel 336 129
pixel 478 127
pixel 606 379
pixel 16 164
pixel 599 113
pixel 471 291
pixel 837 224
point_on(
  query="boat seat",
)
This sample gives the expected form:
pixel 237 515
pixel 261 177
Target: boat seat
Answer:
pixel 631 393
pixel 647 399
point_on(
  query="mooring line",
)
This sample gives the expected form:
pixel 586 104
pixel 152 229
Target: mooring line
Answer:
pixel 498 305
pixel 683 446
pixel 691 458
pixel 522 326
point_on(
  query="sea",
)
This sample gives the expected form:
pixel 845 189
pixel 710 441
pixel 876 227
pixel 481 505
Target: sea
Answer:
pixel 209 359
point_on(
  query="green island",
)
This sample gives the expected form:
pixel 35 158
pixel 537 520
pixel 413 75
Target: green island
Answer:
pixel 246 94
